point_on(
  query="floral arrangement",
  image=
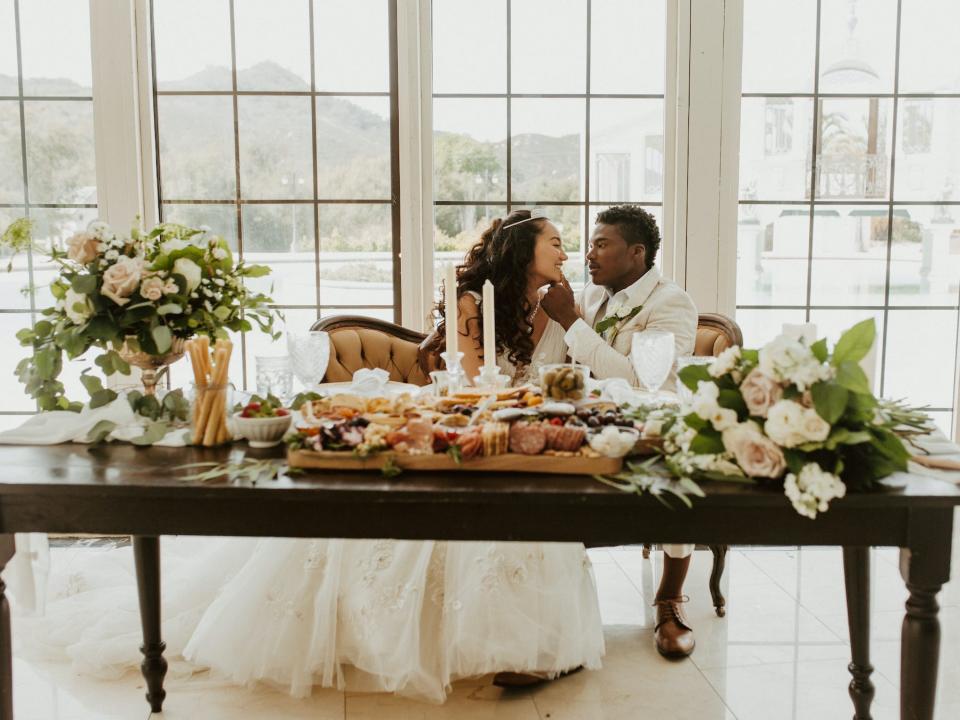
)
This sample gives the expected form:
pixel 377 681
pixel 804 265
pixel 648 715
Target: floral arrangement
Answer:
pixel 142 289
pixel 787 413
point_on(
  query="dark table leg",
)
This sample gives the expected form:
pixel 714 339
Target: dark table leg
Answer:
pixel 856 572
pixel 7 548
pixel 146 553
pixel 925 566
pixel 716 573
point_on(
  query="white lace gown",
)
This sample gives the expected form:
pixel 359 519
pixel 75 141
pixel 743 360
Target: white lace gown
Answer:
pixel 374 615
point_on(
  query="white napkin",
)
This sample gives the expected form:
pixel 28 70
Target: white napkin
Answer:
pixel 937 445
pixel 369 382
pixel 619 391
pixel 59 426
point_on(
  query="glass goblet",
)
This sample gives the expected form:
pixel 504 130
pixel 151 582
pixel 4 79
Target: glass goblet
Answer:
pixel 309 354
pixel 652 353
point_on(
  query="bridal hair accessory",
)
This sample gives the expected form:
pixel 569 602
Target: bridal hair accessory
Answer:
pixel 535 214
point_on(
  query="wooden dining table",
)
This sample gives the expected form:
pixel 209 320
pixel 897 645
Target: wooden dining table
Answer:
pixel 144 492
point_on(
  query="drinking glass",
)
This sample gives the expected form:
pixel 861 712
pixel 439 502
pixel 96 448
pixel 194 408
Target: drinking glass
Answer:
pixel 309 355
pixel 652 353
pixel 274 377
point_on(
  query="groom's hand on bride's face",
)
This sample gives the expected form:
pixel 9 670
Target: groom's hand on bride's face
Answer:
pixel 560 304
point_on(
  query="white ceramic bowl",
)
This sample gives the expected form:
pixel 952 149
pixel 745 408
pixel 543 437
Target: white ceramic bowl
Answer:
pixel 262 432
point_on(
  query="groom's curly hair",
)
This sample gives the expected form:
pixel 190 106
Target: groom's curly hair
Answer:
pixel 502 256
pixel 636 225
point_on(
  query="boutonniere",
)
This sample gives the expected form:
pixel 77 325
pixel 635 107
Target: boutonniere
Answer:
pixel 615 321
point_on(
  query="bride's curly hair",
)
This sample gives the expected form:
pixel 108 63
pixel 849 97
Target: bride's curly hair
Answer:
pixel 502 256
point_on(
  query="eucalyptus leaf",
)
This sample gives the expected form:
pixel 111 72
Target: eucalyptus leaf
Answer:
pixel 99 432
pixel 155 432
pixel 84 284
pixel 91 383
pixel 163 338
pixel 101 398
pixel 855 343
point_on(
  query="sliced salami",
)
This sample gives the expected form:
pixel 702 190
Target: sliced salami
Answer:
pixel 527 438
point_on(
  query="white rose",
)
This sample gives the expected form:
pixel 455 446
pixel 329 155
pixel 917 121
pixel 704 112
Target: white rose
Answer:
pixel 121 279
pixel 784 423
pixel 170 287
pixel 77 307
pixel 760 392
pixel 219 253
pixel 704 401
pixel 725 362
pixel 83 248
pixel 755 453
pixel 152 288
pixel 190 271
pixel 723 418
pixel 789 360
pixel 171 245
pixel 814 427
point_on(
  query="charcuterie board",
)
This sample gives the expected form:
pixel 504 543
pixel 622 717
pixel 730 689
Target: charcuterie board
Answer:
pixel 505 462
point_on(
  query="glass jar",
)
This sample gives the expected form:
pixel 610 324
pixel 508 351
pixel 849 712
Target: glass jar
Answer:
pixel 210 415
pixel 564 381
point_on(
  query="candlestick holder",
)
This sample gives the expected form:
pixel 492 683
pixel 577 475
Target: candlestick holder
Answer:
pixel 491 379
pixel 456 377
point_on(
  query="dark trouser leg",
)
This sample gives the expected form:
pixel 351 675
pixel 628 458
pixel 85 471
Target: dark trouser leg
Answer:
pixel 856 571
pixel 716 573
pixel 7 548
pixel 146 553
pixel 674 573
pixel 925 566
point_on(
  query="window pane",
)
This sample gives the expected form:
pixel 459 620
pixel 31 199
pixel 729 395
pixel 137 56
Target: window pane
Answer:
pixel 273 45
pixel 354 29
pixel 779 45
pixel 221 219
pixel 849 255
pixel 761 326
pixel 275 148
pixel 8 49
pixel 356 255
pixel 627 46
pixel 377 313
pixel 922 339
pixel 831 324
pixel 547 144
pixel 469 46
pixel 55 47
pixel 458 227
pixel 925 256
pixel 772 247
pixel 11 283
pixel 11 158
pixel 196 148
pixel 929 52
pixel 928 150
pixel 282 237
pixel 469 149
pixel 857 42
pixel 775 144
pixel 549 46
pixel 192 55
pixel 353 147
pixel 853 152
pixel 626 150
pixel 60 159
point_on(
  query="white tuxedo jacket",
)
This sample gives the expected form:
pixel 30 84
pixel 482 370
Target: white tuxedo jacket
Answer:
pixel 666 306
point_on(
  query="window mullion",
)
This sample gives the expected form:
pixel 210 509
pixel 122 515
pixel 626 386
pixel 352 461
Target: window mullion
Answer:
pixel 415 101
pixel 113 43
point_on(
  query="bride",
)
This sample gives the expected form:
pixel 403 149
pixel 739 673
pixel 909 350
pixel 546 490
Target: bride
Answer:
pixel 408 617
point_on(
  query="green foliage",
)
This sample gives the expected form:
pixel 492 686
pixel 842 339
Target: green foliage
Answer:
pixel 17 238
pixel 830 400
pixel 855 343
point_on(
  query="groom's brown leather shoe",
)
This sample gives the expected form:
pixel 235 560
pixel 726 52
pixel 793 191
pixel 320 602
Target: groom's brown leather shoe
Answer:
pixel 673 633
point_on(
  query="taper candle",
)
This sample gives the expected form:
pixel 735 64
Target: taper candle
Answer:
pixel 489 327
pixel 450 298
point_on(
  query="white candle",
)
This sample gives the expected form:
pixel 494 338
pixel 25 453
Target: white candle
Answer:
pixel 489 328
pixel 450 295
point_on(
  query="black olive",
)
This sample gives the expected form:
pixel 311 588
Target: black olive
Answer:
pixel 594 421
pixel 466 410
pixel 360 421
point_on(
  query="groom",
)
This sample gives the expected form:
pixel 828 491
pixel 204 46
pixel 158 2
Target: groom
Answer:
pixel 627 295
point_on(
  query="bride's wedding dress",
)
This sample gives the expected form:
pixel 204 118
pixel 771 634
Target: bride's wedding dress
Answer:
pixel 373 615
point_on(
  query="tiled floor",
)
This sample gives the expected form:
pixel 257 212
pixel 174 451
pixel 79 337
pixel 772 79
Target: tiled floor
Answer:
pixel 779 653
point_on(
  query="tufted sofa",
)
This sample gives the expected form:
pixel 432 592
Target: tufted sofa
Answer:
pixel 360 342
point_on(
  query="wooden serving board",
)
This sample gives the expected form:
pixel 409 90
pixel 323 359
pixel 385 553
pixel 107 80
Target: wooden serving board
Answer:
pixel 508 462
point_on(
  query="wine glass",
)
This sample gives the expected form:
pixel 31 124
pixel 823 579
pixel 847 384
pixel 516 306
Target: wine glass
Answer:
pixel 309 354
pixel 652 353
